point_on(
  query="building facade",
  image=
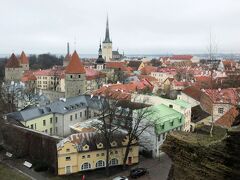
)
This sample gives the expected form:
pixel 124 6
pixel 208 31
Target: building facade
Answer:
pixel 86 151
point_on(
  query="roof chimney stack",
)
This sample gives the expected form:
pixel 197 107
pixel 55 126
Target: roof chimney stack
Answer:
pixel 68 49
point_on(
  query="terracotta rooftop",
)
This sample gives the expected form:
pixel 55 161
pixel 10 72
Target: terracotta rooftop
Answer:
pixel 12 62
pixel 193 92
pixel 115 65
pixel 181 57
pixel 75 66
pixel 228 96
pixel 228 118
pixel 23 58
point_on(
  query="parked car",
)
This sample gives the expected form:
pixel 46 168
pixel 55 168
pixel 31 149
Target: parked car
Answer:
pixel 137 172
pixel 120 178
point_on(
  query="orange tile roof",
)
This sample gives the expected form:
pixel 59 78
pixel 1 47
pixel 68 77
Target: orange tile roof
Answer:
pixel 12 62
pixel 228 118
pixel 75 66
pixel 115 65
pixel 23 58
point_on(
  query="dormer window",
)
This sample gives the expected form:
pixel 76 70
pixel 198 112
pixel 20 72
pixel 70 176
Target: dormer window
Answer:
pixel 86 147
pixel 100 146
pixel 113 144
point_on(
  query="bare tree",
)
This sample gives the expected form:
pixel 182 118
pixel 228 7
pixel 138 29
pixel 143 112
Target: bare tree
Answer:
pixel 212 49
pixel 138 122
pixel 105 125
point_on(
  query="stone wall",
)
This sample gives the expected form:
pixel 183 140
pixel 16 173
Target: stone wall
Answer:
pixel 32 145
pixel 198 156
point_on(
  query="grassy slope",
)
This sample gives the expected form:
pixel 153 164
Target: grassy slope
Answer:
pixel 7 173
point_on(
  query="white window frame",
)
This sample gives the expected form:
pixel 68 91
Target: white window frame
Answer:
pixel 83 168
pixel 66 169
pixel 115 160
pixel 101 165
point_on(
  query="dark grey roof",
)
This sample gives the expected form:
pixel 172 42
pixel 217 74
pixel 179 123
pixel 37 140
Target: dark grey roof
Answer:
pixel 134 64
pixel 60 107
pixel 198 114
pixel 107 36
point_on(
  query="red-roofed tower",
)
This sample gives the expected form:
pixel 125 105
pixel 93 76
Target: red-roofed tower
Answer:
pixel 75 77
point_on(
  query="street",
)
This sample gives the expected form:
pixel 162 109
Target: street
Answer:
pixel 158 170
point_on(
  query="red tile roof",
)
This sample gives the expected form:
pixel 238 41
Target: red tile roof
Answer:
pixel 181 57
pixel 193 92
pixel 23 58
pixel 115 65
pixel 28 76
pixel 123 91
pixel 228 96
pixel 146 70
pixel 228 118
pixel 75 66
pixel 12 62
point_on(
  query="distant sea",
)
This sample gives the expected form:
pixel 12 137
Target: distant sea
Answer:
pixel 150 56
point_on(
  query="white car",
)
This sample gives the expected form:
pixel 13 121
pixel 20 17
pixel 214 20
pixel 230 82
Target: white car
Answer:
pixel 120 178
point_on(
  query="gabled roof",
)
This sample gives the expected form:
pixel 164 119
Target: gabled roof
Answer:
pixel 193 92
pixel 23 58
pixel 227 120
pixel 12 62
pixel 75 66
pixel 134 64
pixel 181 57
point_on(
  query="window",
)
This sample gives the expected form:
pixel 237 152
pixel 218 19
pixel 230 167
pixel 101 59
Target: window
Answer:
pixel 80 114
pixel 44 122
pixel 75 116
pixel 56 119
pixel 68 158
pixel 70 117
pixel 83 157
pixel 102 154
pixel 100 164
pixel 45 130
pixel 79 76
pixel 71 76
pixel 51 120
pixel 88 156
pixel 86 166
pixel 171 123
pixel 170 105
pixel 162 126
pixel 68 169
pixel 180 120
pixel 113 162
pixel 50 131
pixel 31 126
pixel 220 110
pixel 116 152
pixel 67 150
pixel 97 155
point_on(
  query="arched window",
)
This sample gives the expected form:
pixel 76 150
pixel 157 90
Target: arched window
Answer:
pixel 86 166
pixel 113 162
pixel 100 164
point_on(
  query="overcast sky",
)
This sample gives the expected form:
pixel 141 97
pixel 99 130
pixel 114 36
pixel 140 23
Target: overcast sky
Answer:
pixel 136 26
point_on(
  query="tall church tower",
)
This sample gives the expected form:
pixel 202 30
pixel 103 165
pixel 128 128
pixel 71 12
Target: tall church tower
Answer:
pixel 75 77
pixel 107 45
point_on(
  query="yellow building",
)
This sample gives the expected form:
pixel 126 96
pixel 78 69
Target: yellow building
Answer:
pixel 86 151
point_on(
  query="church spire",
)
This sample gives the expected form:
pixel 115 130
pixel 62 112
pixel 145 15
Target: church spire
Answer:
pixel 107 37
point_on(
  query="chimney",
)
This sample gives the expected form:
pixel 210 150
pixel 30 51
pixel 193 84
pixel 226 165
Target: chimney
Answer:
pixel 68 49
